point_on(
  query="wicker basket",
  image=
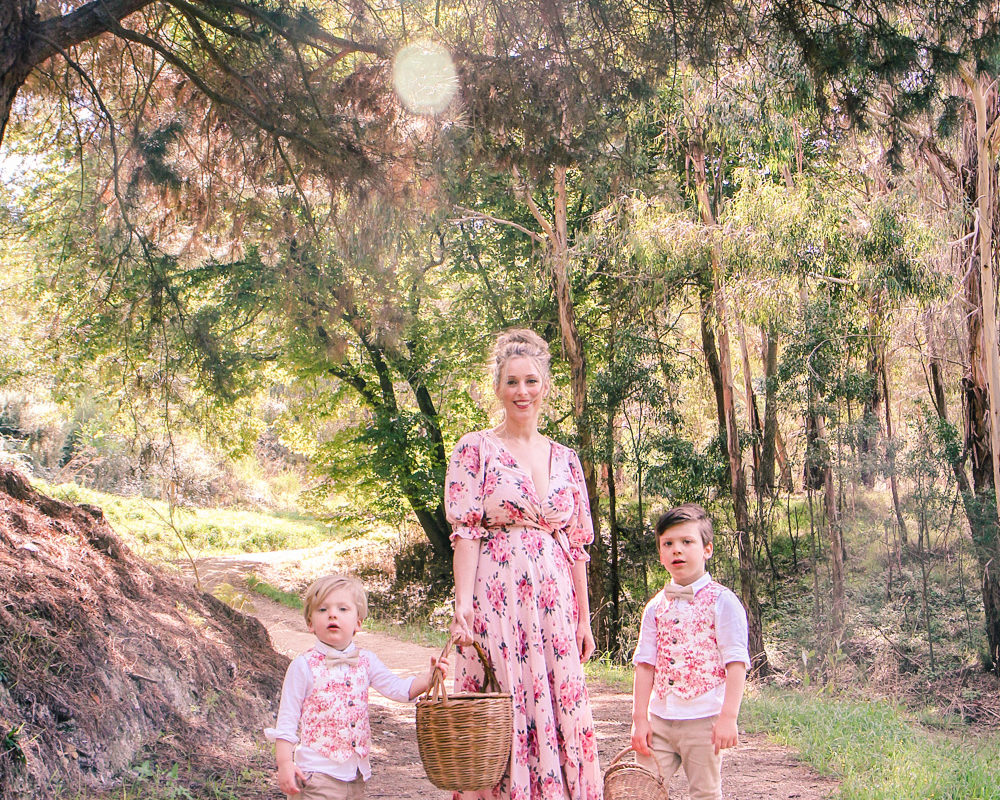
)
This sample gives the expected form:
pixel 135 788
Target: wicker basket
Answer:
pixel 465 739
pixel 626 780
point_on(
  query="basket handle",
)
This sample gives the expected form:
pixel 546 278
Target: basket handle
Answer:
pixel 630 749
pixel 437 689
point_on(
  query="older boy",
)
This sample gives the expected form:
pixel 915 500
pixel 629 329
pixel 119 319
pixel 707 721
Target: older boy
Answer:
pixel 691 660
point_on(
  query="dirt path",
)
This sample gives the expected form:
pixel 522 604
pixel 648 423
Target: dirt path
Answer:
pixel 756 770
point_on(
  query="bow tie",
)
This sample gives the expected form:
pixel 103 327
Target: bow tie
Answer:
pixel 338 659
pixel 679 592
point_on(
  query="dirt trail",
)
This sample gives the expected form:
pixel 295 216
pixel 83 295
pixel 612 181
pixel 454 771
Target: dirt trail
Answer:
pixel 756 770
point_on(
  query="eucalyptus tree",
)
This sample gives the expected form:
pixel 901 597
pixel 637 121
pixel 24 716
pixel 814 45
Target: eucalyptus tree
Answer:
pixel 921 71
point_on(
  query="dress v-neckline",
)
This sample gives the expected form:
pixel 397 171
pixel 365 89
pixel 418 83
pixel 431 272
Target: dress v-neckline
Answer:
pixel 528 472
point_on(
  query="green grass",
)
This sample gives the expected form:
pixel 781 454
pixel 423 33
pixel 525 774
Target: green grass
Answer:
pixel 146 527
pixel 877 750
pixel 410 631
pixel 288 599
pixel 603 669
pixel 423 634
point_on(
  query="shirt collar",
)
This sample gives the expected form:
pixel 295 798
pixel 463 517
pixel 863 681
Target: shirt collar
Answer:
pixel 701 583
pixel 325 649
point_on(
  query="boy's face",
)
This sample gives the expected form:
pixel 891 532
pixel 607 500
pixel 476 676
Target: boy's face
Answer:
pixel 682 552
pixel 335 618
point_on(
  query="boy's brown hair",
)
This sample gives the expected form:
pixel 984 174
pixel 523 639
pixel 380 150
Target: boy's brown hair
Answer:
pixel 686 512
pixel 321 587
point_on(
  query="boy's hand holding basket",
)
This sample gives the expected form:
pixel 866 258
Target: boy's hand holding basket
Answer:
pixel 465 739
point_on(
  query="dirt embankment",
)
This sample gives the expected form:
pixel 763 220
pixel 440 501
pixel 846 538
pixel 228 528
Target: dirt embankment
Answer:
pixel 105 659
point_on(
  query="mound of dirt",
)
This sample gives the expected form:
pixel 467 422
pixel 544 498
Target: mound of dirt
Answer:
pixel 105 660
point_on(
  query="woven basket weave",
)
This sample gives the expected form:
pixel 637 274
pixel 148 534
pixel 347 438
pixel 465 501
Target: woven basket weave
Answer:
pixel 465 739
pixel 626 780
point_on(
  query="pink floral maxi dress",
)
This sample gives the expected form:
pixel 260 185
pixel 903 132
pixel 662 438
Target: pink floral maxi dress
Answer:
pixel 526 612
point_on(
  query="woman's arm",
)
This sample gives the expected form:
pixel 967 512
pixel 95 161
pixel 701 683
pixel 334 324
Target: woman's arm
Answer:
pixel 464 562
pixel 584 635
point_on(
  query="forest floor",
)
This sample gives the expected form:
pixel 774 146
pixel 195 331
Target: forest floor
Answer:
pixel 757 769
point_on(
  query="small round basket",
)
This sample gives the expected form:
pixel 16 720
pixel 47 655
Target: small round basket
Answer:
pixel 626 780
pixel 465 739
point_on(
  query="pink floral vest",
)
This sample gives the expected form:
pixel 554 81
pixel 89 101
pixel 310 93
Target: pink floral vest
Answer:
pixel 334 718
pixel 688 662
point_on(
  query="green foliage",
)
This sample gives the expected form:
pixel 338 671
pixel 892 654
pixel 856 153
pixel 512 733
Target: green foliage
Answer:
pixel 143 524
pixel 876 750
pixel 10 747
pixel 288 599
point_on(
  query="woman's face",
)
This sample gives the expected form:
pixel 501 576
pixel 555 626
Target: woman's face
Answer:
pixel 521 389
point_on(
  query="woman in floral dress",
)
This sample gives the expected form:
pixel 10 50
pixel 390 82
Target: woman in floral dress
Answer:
pixel 518 505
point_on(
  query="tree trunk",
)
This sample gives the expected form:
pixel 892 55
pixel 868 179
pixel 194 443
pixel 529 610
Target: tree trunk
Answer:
pixel 772 447
pixel 751 402
pixel 981 383
pixel 819 465
pixel 559 261
pixel 872 412
pixel 837 608
pixel 712 362
pixel 16 19
pixel 889 443
pixel 614 629
pixel 748 589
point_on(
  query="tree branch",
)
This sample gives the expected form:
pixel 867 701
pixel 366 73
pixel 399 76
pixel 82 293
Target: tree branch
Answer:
pixel 85 23
pixel 473 215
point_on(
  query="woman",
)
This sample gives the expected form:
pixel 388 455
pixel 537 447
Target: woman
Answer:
pixel 518 505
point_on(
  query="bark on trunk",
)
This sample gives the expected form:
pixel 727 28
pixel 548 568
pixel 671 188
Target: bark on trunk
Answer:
pixel 773 447
pixel 748 589
pixel 890 445
pixel 981 383
pixel 16 21
pixel 559 260
pixel 756 428
pixel 708 345
pixel 868 441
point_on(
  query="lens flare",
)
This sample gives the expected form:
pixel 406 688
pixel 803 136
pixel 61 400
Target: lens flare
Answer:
pixel 424 77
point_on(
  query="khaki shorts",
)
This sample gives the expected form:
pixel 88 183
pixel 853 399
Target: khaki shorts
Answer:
pixel 324 787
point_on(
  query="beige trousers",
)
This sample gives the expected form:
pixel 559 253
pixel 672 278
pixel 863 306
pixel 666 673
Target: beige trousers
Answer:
pixel 687 743
pixel 324 787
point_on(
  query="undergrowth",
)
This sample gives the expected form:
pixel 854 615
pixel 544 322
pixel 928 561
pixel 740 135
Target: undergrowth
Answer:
pixel 877 750
pixel 146 525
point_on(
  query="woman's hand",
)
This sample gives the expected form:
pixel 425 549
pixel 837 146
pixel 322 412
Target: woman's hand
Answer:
pixel 585 640
pixel 461 625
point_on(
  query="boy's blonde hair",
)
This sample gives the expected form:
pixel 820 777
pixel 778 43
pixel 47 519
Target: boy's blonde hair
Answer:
pixel 321 587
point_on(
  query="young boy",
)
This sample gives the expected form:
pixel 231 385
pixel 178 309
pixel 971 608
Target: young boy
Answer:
pixel 691 660
pixel 322 736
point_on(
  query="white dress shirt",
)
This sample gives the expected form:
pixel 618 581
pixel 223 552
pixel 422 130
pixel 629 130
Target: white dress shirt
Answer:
pixel 297 686
pixel 730 635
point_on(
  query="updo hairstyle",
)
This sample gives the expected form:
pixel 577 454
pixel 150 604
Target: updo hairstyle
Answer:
pixel 519 342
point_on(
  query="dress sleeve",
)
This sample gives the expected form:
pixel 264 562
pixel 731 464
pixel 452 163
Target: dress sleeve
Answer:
pixel 580 529
pixel 463 489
